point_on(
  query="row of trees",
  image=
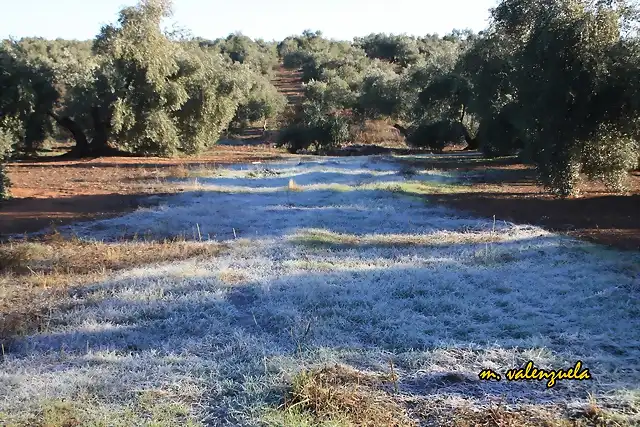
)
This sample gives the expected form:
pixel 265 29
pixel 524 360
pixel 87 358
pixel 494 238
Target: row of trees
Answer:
pixel 557 80
pixel 378 76
pixel 554 80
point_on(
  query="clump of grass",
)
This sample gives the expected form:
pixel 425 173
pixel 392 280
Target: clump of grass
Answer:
pixel 183 171
pixel 293 186
pixel 320 237
pixel 263 173
pixel 177 171
pixel 232 276
pixel 339 396
pixel 421 187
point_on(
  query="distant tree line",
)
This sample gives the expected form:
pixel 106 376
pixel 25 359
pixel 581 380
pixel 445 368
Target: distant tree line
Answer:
pixel 555 81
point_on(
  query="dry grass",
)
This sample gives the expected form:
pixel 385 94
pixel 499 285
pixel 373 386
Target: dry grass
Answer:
pixel 340 396
pixel 189 171
pixel 232 276
pixel 34 275
pixel 150 409
pixel 320 237
pixel 500 415
pixel 379 132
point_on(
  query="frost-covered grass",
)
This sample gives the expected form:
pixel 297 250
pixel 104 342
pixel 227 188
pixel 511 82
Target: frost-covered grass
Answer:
pixel 322 276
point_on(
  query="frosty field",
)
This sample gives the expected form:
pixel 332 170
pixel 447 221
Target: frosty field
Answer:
pixel 330 260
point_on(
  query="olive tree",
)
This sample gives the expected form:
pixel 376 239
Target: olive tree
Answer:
pixel 333 93
pixel 313 125
pixel 572 73
pixel 261 102
pixel 28 96
pixel 380 94
pixel 398 49
pixel 260 56
pixel 144 92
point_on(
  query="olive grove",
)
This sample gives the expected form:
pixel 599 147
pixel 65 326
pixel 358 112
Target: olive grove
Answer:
pixel 554 81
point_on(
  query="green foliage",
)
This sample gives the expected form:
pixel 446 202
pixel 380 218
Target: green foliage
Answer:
pixel 566 67
pixel 332 94
pixel 138 89
pixel 314 126
pixel 380 94
pixel 397 49
pixel 261 103
pixel 259 56
pixel 608 156
pixel 144 80
pixel 6 141
pixel 451 91
pixel 294 49
pixel 27 95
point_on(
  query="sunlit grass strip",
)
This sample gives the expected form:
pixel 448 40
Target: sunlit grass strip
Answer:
pixel 407 187
pixel 151 408
pixel 321 237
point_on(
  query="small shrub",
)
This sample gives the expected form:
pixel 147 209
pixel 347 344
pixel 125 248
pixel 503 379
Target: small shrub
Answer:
pixel 436 135
pixel 5 149
pixel 609 158
pixel 263 102
pixel 314 126
pixel 295 138
pixel 296 59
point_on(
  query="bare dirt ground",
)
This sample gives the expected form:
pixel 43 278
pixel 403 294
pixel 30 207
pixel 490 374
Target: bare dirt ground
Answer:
pixel 508 190
pixel 53 191
pixel 289 83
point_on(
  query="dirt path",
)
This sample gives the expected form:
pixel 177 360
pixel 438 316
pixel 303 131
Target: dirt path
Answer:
pixel 289 83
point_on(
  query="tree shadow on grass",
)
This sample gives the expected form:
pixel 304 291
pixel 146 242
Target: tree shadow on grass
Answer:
pixel 439 322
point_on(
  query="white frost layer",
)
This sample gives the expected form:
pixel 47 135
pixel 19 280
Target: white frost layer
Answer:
pixel 318 276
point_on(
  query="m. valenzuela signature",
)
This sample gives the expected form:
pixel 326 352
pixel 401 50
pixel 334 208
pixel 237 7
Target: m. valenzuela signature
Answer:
pixel 530 372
